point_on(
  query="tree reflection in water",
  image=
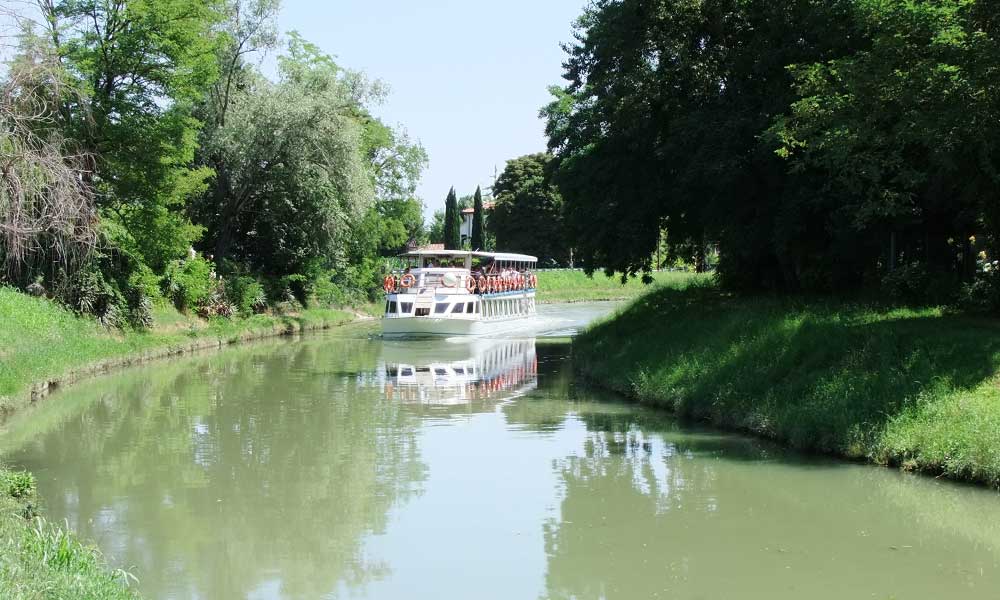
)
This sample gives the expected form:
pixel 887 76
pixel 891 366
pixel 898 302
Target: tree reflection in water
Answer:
pixel 319 468
pixel 260 467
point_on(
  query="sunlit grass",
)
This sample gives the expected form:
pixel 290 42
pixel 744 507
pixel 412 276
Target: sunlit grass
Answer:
pixel 575 286
pixel 910 387
pixel 40 340
pixel 41 560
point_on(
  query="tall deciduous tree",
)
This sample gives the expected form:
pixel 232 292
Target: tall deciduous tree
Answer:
pixel 528 212
pixel 435 230
pixel 899 139
pixel 478 222
pixel 452 224
pixel 292 172
pixel 661 124
pixel 142 64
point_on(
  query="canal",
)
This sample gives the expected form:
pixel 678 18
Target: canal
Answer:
pixel 344 466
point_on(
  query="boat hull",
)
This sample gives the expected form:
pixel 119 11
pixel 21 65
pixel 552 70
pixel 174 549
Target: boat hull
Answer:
pixel 430 326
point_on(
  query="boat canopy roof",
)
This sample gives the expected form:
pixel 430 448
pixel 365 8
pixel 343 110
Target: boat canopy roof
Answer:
pixel 498 256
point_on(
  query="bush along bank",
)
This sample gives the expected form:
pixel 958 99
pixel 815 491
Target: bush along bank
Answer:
pixel 43 344
pixel 916 388
pixel 39 559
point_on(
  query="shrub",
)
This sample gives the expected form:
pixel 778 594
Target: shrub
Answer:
pixel 114 285
pixel 298 287
pixel 18 484
pixel 246 294
pixel 189 282
pixel 906 283
pixel 982 294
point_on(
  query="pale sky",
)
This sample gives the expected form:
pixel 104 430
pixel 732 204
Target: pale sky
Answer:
pixel 466 77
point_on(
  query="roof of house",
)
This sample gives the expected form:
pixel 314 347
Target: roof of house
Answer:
pixel 486 206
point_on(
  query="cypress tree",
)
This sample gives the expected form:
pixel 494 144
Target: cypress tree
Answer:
pixel 452 225
pixel 478 222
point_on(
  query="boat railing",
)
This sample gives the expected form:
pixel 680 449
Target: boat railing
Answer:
pixel 458 280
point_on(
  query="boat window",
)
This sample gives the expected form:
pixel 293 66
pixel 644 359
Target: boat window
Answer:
pixel 423 369
pixel 392 306
pixel 440 308
pixel 406 307
pixel 407 372
pixel 386 306
pixel 458 307
pixel 469 309
pixel 440 371
pixel 423 312
pixel 459 371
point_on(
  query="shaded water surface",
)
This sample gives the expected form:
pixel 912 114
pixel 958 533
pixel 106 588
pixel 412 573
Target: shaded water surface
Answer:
pixel 346 467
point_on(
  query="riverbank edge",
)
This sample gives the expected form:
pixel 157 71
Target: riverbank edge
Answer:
pixel 37 556
pixel 240 331
pixel 943 429
pixel 37 553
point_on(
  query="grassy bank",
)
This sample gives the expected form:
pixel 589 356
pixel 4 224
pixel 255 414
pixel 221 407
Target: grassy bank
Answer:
pixel 575 286
pixel 41 560
pixel 42 343
pixel 915 388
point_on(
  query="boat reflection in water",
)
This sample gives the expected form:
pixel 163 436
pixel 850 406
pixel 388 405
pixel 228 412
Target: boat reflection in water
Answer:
pixel 469 372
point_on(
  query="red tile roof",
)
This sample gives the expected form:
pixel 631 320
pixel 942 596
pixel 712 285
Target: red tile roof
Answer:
pixel 469 211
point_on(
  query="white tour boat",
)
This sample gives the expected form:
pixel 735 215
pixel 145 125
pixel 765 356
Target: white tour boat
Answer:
pixel 455 292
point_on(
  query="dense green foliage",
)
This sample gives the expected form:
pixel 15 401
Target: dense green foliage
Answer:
pixel 528 214
pixel 452 222
pixel 478 222
pixel 818 145
pixel 151 158
pixel 915 388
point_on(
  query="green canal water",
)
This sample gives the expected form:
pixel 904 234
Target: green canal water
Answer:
pixel 345 466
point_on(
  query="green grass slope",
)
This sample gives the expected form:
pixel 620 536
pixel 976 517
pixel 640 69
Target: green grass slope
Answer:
pixel 40 340
pixel 575 286
pixel 916 388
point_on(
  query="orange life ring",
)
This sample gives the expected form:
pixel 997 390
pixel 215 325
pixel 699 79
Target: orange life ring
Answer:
pixel 481 285
pixel 470 284
pixel 389 284
pixel 493 283
pixel 520 282
pixel 407 280
pixel 505 285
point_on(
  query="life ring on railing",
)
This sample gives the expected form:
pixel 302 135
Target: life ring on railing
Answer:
pixel 481 285
pixel 407 281
pixel 520 282
pixel 389 284
pixel 470 284
pixel 493 283
pixel 504 283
